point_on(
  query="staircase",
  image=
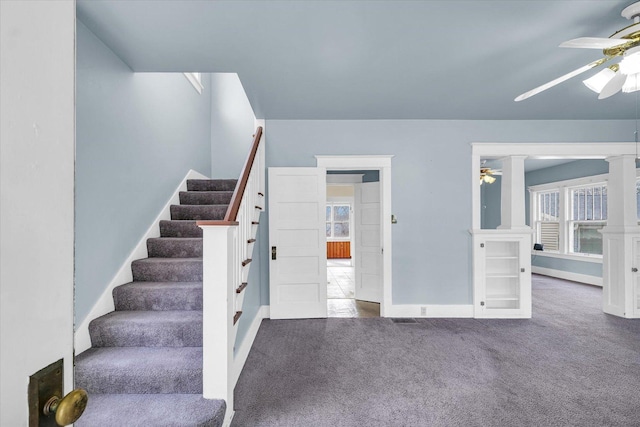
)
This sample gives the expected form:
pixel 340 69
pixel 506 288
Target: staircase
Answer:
pixel 145 364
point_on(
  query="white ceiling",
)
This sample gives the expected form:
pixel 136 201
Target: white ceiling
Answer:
pixel 374 59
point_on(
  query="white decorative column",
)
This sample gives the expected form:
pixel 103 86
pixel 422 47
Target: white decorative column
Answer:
pixel 618 236
pixel 512 213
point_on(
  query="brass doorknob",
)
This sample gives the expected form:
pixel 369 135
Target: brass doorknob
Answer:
pixel 69 408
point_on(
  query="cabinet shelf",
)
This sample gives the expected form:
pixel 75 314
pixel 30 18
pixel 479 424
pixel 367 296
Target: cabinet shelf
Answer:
pixel 501 257
pixel 501 276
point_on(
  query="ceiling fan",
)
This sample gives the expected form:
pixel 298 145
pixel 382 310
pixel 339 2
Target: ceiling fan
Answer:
pixel 623 45
pixel 487 175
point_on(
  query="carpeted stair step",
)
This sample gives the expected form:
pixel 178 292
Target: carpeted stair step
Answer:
pixel 174 247
pixel 205 197
pixel 180 228
pixel 211 184
pixel 157 410
pixel 198 212
pixel 167 270
pixel 147 329
pixel 158 296
pixel 140 370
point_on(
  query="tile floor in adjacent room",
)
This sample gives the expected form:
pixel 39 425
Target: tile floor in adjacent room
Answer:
pixel 341 292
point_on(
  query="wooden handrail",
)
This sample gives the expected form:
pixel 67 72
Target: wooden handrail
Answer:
pixel 234 206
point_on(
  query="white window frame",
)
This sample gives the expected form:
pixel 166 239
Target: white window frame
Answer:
pixel 196 80
pixel 565 220
pixel 332 238
pixel 538 222
pixel 572 222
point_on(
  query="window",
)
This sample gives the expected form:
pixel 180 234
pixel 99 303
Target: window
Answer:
pixel 548 219
pixel 588 216
pixel 567 216
pixel 338 216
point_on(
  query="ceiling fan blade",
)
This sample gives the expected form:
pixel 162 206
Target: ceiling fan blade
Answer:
pixel 613 86
pixel 593 43
pixel 561 79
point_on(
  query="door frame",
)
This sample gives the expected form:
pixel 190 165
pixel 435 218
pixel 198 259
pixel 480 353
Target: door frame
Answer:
pixel 381 163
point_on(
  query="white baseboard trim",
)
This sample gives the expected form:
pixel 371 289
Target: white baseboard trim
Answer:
pixel 432 310
pixel 105 304
pixel 567 275
pixel 247 342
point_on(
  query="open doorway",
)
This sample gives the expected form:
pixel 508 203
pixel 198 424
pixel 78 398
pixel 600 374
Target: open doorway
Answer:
pixel 574 206
pixel 380 244
pixel 353 231
pixel 566 208
pixel 297 237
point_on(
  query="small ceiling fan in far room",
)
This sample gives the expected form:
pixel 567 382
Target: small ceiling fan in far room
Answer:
pixel 487 175
pixel 622 47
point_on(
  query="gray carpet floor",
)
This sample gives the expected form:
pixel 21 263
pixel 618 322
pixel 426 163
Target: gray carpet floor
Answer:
pixel 571 365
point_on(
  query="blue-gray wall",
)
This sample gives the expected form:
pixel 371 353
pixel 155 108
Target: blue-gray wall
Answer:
pixel 431 185
pixel 137 136
pixel 232 125
pixel 490 200
pixel 569 265
pixel 572 170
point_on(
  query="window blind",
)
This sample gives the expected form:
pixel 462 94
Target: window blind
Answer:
pixel 550 235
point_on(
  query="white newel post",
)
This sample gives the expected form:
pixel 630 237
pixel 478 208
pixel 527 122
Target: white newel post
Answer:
pixel 219 271
pixel 618 236
pixel 512 214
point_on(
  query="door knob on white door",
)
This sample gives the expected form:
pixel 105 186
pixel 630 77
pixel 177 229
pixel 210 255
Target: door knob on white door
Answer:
pixel 68 409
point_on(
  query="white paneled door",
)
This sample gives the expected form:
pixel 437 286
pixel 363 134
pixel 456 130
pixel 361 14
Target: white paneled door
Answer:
pixel 297 241
pixel 368 251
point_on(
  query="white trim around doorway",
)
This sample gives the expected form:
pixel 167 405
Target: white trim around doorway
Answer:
pixel 383 164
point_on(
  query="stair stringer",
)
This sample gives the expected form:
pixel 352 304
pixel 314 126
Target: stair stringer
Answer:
pixel 105 303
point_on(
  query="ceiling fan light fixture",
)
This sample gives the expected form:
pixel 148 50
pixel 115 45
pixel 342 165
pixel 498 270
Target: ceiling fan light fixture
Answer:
pixel 599 80
pixel 630 64
pixel 632 84
pixel 488 179
pixel 623 43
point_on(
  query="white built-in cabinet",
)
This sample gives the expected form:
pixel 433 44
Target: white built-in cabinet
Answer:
pixel 502 274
